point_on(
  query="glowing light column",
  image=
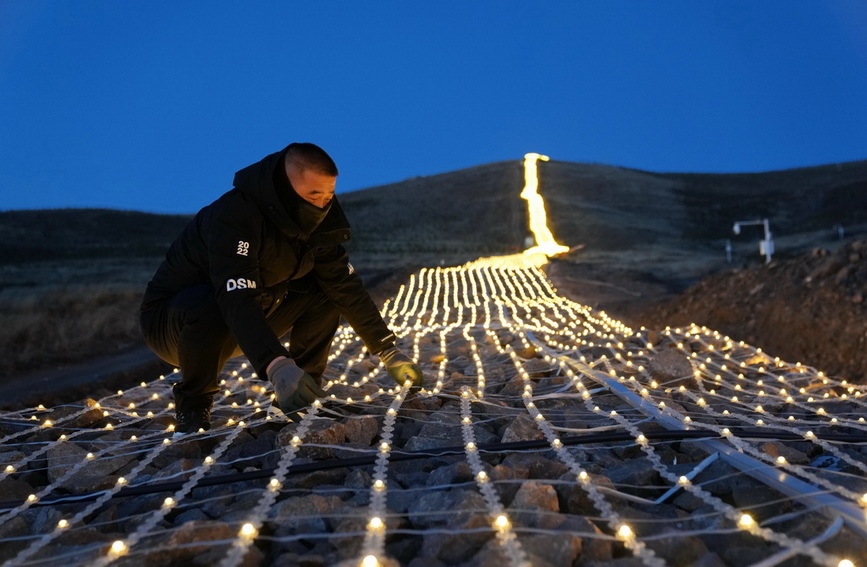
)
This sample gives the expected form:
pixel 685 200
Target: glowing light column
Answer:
pixel 545 243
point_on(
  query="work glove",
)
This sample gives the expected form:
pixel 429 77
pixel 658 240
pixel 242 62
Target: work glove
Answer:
pixel 295 389
pixel 401 367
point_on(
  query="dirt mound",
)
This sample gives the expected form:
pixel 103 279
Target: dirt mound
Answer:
pixel 810 309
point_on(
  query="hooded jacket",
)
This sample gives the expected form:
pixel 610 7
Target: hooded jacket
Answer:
pixel 248 248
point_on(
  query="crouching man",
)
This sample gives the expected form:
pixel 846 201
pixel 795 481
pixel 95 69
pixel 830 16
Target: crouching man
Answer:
pixel 263 260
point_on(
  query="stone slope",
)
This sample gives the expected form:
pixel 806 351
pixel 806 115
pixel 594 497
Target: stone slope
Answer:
pixel 810 308
pixel 547 433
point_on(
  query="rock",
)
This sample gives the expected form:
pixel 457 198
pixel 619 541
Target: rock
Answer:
pixel 88 418
pixel 192 515
pixel 8 458
pixel 551 550
pixel 513 388
pixel 181 546
pixel 595 544
pixel 439 507
pixel 531 465
pixel 10 530
pixel 677 549
pixel 14 490
pixel 453 548
pixel 187 448
pixel 303 514
pixel 359 479
pixel 532 504
pixel 709 560
pixel 252 452
pixel 780 449
pixel 444 425
pixel 322 431
pixel 537 368
pixel 361 430
pixel 347 546
pixel 95 474
pixel 179 470
pixel 637 472
pixel 669 367
pixel 574 499
pixel 522 428
pixel 450 474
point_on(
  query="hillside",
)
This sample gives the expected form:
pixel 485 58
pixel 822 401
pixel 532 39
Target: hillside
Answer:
pixel 67 234
pixel 668 224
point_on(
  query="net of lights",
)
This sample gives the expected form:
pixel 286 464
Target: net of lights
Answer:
pixel 525 349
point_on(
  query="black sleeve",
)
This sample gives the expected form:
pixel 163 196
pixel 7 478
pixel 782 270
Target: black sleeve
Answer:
pixel 340 283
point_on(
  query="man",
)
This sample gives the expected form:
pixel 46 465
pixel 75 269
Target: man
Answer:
pixel 264 259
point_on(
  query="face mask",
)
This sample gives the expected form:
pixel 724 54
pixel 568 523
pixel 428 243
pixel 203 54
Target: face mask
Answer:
pixel 309 216
pixel 306 215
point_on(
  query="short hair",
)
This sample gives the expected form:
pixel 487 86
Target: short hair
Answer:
pixel 307 156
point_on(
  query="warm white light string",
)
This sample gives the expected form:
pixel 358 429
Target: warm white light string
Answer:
pixel 169 503
pixel 621 529
pixel 742 520
pixel 250 529
pixel 500 521
pixel 373 548
pixel 500 312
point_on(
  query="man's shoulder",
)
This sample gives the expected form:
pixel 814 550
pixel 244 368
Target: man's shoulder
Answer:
pixel 233 204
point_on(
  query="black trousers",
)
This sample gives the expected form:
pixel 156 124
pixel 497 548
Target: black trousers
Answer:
pixel 189 332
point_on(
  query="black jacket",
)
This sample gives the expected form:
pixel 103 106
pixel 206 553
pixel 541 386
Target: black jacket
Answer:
pixel 248 248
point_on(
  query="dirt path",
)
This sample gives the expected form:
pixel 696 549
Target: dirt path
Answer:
pixel 90 379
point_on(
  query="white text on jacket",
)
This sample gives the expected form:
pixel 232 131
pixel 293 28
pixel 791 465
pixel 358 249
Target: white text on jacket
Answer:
pixel 240 283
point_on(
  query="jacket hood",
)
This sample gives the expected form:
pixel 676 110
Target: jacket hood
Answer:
pixel 257 182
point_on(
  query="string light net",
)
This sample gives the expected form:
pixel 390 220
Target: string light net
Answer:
pixel 546 433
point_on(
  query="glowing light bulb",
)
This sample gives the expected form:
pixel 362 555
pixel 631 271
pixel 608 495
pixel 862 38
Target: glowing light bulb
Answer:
pixel 248 531
pixel 501 523
pixel 625 532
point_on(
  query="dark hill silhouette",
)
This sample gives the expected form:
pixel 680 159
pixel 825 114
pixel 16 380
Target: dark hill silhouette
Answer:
pixel 476 211
pixel 612 209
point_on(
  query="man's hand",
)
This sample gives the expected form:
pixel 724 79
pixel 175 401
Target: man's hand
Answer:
pixel 295 388
pixel 401 367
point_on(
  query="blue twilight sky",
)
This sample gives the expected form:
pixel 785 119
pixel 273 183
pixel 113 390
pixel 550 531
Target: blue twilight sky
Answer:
pixel 153 104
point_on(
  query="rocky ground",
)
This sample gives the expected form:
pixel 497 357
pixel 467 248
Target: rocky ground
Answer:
pixel 810 308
